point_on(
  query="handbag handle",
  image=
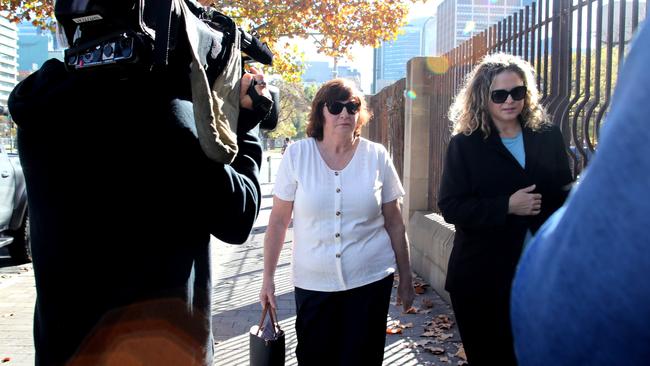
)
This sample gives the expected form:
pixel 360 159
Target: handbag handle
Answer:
pixel 272 315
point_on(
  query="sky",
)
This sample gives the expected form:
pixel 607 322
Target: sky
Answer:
pixel 363 55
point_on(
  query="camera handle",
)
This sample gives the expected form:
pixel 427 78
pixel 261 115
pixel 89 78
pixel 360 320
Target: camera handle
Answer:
pixel 254 48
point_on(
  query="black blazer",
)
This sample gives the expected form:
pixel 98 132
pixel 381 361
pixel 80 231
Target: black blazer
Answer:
pixel 479 176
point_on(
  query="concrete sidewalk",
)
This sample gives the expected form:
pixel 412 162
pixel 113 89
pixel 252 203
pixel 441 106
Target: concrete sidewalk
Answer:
pixel 237 278
pixel 17 298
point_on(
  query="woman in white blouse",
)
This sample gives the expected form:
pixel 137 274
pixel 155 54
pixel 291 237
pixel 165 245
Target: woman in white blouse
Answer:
pixel 349 236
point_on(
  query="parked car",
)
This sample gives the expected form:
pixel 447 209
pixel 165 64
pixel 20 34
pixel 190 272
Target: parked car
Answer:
pixel 14 220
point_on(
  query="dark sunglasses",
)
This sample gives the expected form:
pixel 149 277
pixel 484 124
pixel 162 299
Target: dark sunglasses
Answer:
pixel 501 95
pixel 337 107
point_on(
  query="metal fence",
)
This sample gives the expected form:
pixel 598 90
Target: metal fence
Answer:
pixel 387 123
pixel 575 47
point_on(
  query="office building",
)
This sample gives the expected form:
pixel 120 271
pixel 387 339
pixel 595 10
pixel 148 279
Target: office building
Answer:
pixel 8 59
pixel 35 46
pixel 460 20
pixel 318 72
pixel 417 38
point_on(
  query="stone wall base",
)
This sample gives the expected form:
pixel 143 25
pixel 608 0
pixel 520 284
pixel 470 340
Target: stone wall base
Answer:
pixel 431 240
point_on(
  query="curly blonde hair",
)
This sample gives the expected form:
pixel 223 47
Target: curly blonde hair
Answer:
pixel 469 111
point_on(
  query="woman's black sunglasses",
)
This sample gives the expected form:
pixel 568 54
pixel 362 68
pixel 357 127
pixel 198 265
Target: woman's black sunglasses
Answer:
pixel 337 107
pixel 500 96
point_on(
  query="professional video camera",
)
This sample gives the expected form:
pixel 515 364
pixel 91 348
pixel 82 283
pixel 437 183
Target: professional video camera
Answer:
pixel 139 34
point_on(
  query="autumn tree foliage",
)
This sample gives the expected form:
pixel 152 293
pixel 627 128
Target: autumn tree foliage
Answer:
pixel 334 25
pixel 38 12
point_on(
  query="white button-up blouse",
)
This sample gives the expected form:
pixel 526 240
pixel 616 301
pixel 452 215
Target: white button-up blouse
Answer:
pixel 340 241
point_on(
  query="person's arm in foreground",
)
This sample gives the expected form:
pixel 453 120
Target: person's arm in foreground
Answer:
pixel 397 232
pixel 273 240
pixel 238 183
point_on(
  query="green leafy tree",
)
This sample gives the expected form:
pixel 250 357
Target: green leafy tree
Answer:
pixel 301 122
pixel 593 89
pixel 294 107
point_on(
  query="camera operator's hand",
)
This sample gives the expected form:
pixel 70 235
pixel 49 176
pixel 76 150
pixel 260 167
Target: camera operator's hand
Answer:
pixel 244 99
pixel 255 102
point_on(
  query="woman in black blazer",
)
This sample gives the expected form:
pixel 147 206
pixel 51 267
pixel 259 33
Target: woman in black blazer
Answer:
pixel 506 171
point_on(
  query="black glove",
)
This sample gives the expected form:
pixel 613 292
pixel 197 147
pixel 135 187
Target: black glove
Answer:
pixel 262 106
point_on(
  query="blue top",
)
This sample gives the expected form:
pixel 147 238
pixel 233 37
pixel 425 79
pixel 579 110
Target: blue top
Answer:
pixel 516 147
pixel 581 294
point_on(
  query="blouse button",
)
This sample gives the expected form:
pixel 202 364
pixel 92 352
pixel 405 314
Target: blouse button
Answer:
pixel 336 173
pixel 338 190
pixel 338 213
pixel 338 255
pixel 337 235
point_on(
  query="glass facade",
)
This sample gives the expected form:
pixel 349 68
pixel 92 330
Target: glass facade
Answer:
pixel 460 20
pixel 390 59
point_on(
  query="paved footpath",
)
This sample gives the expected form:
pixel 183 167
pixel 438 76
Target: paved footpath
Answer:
pixel 237 278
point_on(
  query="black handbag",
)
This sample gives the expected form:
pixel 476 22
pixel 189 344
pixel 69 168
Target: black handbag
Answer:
pixel 267 348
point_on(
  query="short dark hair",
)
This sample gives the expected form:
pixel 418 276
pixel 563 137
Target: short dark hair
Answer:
pixel 330 92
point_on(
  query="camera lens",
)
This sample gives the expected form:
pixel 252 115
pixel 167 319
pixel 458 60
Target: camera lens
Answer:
pixel 96 55
pixel 87 57
pixel 108 51
pixel 126 46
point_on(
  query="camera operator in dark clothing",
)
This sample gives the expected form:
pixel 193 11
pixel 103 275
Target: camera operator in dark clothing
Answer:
pixel 122 203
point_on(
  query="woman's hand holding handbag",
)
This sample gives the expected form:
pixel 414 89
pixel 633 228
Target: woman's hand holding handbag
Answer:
pixel 267 340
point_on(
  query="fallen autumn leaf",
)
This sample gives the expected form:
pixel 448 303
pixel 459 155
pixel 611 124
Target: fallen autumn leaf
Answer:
pixel 411 310
pixel 393 330
pixel 461 353
pixel 435 350
pixel 423 342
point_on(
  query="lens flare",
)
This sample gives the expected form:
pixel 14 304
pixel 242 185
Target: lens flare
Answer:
pixel 469 27
pixel 437 65
pixel 411 95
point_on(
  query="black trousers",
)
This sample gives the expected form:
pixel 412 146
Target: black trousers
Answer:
pixel 484 325
pixel 344 327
